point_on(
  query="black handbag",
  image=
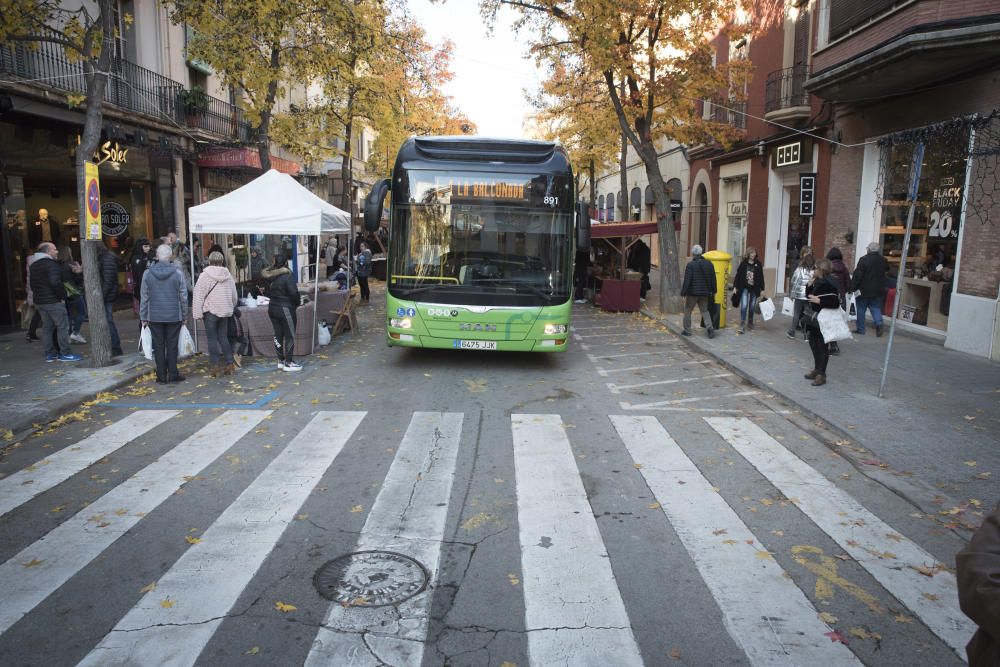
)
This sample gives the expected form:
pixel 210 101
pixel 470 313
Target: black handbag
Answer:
pixel 810 318
pixel 735 299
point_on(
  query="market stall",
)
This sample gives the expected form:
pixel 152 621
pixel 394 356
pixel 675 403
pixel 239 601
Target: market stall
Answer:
pixel 618 293
pixel 274 203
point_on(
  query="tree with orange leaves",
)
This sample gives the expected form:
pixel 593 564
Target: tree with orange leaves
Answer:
pixel 655 62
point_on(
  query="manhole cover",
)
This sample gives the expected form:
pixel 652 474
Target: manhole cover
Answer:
pixel 370 579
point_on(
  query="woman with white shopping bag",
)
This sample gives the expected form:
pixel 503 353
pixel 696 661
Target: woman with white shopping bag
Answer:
pixel 749 283
pixel 821 294
pixel 841 277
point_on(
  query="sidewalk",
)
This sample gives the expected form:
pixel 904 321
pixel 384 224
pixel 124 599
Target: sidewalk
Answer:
pixel 34 392
pixel 934 438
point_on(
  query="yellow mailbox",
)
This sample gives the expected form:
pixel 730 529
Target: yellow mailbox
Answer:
pixel 720 260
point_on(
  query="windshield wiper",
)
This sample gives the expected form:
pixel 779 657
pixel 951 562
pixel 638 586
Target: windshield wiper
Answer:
pixel 424 288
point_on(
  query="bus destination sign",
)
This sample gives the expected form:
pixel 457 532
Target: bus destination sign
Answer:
pixel 470 189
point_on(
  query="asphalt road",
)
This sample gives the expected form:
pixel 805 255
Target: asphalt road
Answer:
pixel 627 502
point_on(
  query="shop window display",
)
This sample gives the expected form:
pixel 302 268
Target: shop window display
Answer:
pixel 929 271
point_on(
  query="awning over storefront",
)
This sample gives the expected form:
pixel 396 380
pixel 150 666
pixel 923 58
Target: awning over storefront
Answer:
pixel 607 230
pixel 245 157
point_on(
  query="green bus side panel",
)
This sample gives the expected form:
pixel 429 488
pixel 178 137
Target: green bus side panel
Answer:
pixel 443 326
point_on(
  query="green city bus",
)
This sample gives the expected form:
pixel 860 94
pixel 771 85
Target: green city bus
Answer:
pixel 483 235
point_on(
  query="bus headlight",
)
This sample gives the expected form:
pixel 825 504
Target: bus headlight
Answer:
pixel 552 329
pixel 400 323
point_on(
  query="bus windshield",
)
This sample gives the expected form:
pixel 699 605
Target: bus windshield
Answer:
pixel 490 239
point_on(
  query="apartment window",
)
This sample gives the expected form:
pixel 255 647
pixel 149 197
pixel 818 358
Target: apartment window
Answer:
pixel 849 15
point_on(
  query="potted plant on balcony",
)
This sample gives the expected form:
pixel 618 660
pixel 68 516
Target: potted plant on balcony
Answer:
pixel 194 102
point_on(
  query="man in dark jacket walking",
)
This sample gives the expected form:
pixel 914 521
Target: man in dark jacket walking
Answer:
pixel 163 308
pixel 698 288
pixel 46 277
pixel 109 288
pixel 869 278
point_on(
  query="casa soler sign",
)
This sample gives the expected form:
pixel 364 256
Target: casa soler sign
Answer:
pixel 115 218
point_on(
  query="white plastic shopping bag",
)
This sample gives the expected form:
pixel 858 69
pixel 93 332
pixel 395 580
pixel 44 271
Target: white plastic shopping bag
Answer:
pixel 323 334
pixel 766 308
pixel 788 306
pixel 833 325
pixel 185 344
pixel 146 343
pixel 852 307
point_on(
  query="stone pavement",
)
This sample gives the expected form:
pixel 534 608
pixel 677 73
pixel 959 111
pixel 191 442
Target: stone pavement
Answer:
pixel 934 438
pixel 33 392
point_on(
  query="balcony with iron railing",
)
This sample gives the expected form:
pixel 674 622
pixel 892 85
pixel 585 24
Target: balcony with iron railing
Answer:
pixel 728 112
pixel 785 96
pixel 130 88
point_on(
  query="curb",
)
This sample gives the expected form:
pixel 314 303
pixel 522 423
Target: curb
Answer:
pixel 25 426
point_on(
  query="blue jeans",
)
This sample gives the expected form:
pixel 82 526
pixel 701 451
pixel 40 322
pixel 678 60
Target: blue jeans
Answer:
pixel 116 343
pixel 76 308
pixel 862 305
pixel 748 301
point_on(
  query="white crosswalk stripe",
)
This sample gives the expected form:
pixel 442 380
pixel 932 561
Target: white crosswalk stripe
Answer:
pixel 574 613
pixel 408 517
pixel 25 484
pixel 767 615
pixel 859 532
pixel 68 548
pixel 207 580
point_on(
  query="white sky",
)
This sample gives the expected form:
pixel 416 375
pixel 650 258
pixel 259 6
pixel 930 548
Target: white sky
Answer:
pixel 490 72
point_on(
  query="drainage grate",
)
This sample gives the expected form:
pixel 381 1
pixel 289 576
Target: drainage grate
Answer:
pixel 370 579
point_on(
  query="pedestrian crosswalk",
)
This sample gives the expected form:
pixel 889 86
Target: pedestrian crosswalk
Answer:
pixel 569 587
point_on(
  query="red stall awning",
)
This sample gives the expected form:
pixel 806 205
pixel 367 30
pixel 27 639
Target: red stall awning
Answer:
pixel 245 157
pixel 608 230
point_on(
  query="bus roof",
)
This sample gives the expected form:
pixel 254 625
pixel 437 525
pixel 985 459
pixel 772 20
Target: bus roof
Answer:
pixel 465 149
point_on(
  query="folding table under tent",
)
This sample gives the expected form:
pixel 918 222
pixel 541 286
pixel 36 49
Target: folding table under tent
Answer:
pixel 272 203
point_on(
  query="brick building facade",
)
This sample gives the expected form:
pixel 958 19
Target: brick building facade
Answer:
pixel 903 73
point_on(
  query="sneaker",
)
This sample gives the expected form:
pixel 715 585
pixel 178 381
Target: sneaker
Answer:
pixel 69 357
pixel 291 367
pixel 281 365
pixel 580 301
pixel 49 358
pixel 116 352
pixel 790 334
pixel 711 333
pixel 77 338
pixel 740 331
pixel 178 378
pixel 31 339
pixel 878 330
pixel 685 333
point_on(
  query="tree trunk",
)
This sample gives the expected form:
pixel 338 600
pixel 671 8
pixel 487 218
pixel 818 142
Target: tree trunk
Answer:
pixel 623 180
pixel 347 172
pixel 264 131
pixel 593 183
pixel 623 197
pixel 670 275
pixel 100 336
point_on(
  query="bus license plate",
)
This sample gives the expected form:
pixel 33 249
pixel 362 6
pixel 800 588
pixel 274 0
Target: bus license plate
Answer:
pixel 476 344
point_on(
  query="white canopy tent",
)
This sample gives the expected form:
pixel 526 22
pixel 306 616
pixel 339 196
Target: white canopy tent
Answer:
pixel 273 203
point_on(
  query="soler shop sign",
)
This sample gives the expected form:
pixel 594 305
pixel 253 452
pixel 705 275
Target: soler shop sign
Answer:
pixel 115 218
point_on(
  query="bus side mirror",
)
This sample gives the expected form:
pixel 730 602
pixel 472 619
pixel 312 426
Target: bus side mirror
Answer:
pixel 583 227
pixel 373 205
